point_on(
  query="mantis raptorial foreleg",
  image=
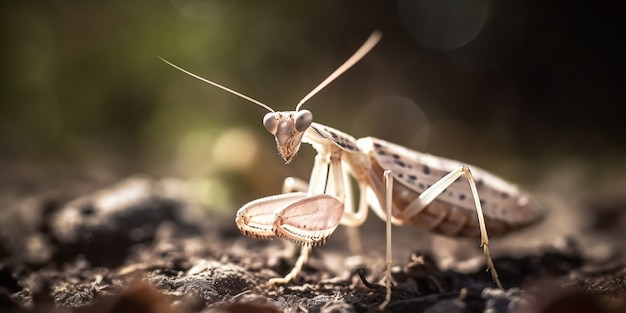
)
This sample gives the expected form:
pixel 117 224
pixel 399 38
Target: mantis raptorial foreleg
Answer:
pixel 336 187
pixel 315 185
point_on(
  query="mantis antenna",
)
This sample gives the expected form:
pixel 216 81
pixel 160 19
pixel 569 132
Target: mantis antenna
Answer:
pixel 373 39
pixel 261 104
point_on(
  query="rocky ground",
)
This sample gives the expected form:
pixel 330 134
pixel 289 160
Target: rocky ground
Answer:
pixel 138 246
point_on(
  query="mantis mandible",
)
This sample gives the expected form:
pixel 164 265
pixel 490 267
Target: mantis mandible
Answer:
pixel 401 186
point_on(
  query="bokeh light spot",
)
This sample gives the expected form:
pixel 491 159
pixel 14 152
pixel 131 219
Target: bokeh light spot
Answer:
pixel 235 149
pixel 445 24
pixel 396 119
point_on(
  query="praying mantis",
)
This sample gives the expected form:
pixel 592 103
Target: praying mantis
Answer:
pixel 402 186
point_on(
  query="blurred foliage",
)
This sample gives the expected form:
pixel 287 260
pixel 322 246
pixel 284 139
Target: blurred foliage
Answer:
pixel 82 85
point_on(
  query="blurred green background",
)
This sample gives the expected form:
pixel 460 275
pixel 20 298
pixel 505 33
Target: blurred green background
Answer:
pixel 517 88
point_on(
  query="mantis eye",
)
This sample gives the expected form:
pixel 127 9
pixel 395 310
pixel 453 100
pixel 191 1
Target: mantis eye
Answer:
pixel 271 123
pixel 302 120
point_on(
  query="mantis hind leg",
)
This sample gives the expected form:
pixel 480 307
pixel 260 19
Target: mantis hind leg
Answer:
pixel 437 189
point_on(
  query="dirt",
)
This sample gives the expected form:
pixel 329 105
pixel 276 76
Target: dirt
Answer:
pixel 139 246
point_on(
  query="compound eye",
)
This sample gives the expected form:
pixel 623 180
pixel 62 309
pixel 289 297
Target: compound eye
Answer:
pixel 271 123
pixel 302 120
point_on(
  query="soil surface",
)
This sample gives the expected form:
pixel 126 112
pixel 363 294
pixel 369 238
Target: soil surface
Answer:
pixel 138 246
